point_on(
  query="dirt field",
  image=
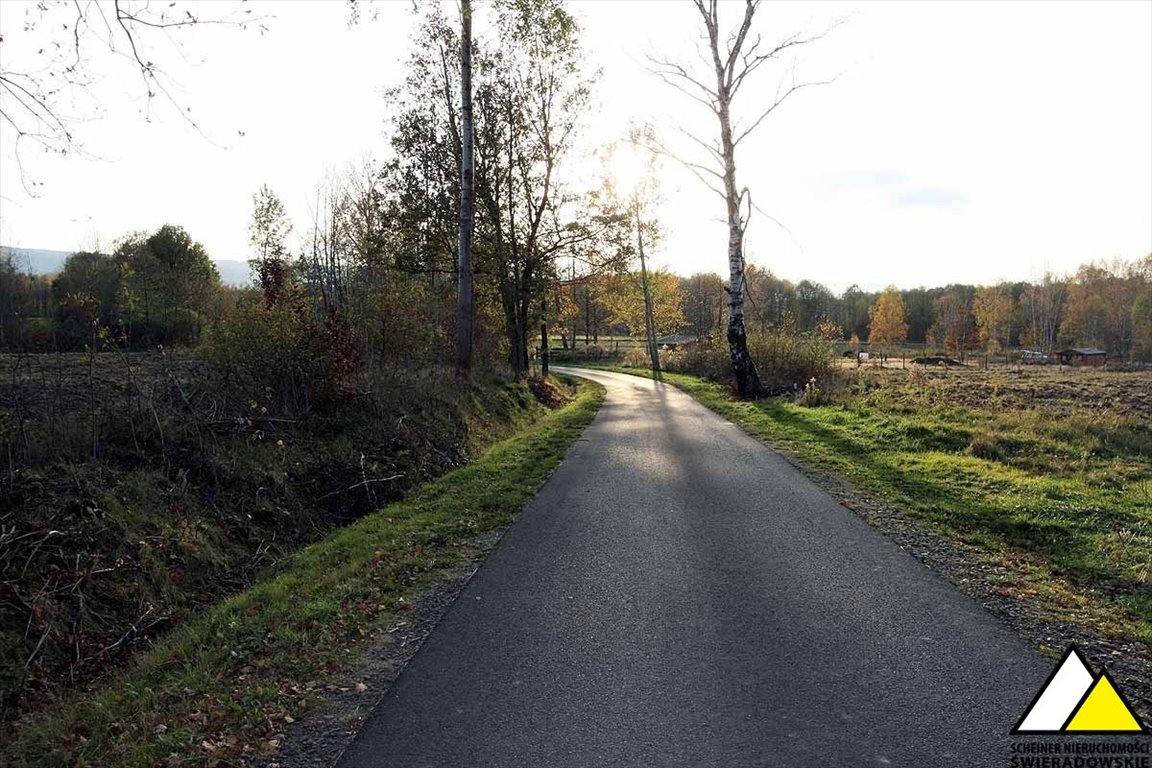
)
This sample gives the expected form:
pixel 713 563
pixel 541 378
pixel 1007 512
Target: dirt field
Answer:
pixel 40 386
pixel 1056 390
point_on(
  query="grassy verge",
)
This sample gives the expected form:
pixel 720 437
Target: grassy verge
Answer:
pixel 220 688
pixel 140 489
pixel 1059 505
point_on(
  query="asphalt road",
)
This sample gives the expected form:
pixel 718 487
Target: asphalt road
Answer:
pixel 679 595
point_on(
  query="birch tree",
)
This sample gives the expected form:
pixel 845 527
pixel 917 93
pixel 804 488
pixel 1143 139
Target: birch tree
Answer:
pixel 270 225
pixel 1044 304
pixel 734 59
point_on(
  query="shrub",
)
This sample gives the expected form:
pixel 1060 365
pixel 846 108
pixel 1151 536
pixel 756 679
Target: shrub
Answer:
pixel 262 350
pixel 783 358
pixel 635 357
pixel 708 358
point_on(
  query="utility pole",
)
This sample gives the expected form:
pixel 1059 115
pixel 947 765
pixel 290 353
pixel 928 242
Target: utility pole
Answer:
pixel 465 310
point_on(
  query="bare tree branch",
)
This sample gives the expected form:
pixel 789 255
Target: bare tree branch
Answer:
pixel 667 70
pixel 658 148
pixel 779 100
pixel 752 61
pixel 30 102
pixel 710 148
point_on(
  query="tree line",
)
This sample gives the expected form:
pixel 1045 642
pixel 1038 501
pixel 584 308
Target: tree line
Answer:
pixel 162 288
pixel 153 288
pixel 481 236
pixel 1104 304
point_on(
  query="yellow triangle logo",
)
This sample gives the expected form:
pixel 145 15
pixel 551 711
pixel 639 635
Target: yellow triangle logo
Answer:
pixel 1103 710
pixel 1075 700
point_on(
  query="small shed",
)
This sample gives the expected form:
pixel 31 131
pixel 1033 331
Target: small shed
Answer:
pixel 675 341
pixel 1083 356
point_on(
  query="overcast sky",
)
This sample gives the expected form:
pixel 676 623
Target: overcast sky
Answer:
pixel 960 142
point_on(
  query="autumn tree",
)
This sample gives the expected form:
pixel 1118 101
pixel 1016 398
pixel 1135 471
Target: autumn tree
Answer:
pixel 531 94
pixel 1098 305
pixel 888 329
pixel 733 60
pixel 625 299
pixel 954 330
pixel 993 310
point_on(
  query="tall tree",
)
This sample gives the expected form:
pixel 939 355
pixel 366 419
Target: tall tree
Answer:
pixel 993 310
pixel 888 328
pixel 854 305
pixel 531 94
pixel 267 232
pixel 465 312
pixel 703 302
pixel 635 179
pixel 771 300
pixel 813 304
pixel 734 58
pixel 954 330
pixel 1045 311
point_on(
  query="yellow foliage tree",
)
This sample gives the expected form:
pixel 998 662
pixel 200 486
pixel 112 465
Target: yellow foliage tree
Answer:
pixel 993 309
pixel 624 297
pixel 888 328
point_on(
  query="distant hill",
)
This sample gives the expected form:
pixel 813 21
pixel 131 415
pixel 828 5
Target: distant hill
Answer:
pixel 37 261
